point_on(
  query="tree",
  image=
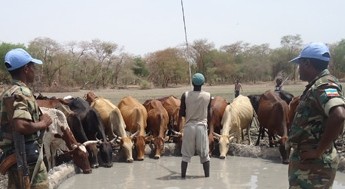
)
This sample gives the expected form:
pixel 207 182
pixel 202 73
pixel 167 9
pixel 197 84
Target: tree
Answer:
pixel 104 54
pixel 166 67
pixel 236 50
pixel 139 67
pixel 337 65
pixel 291 44
pixel 52 54
pixel 201 50
pixel 222 68
pixel 256 63
pixel 75 53
pixel 99 64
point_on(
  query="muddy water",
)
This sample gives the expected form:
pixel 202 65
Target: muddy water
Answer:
pixel 233 172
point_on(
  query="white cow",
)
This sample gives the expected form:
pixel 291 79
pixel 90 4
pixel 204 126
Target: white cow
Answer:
pixel 237 116
pixel 59 138
pixel 53 145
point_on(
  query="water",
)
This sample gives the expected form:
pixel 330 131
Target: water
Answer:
pixel 233 172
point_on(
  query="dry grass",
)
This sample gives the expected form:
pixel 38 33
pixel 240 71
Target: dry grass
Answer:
pixel 226 91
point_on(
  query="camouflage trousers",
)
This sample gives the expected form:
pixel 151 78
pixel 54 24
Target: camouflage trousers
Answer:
pixel 39 182
pixel 315 173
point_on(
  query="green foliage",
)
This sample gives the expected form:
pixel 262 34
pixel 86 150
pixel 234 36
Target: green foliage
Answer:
pixel 166 67
pixel 139 67
pixel 337 65
pixel 145 84
pixel 99 64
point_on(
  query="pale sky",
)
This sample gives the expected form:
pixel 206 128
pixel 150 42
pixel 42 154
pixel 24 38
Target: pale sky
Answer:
pixel 144 26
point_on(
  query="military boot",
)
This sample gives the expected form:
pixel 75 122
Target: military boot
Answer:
pixel 206 166
pixel 183 169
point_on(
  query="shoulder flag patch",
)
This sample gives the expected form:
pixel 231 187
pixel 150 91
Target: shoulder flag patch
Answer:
pixel 332 92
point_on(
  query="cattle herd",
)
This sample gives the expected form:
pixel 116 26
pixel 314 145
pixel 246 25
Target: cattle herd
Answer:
pixel 92 131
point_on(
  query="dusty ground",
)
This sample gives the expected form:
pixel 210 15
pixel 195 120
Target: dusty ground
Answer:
pixel 225 91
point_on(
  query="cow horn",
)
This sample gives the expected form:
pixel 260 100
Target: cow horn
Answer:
pixel 216 134
pixel 177 133
pixel 112 140
pixel 99 141
pixel 118 140
pixel 74 146
pixel 90 142
pixel 134 134
pixel 231 138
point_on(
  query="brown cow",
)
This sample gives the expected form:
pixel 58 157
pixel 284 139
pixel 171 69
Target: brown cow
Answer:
pixel 273 116
pixel 51 102
pixel 292 109
pixel 172 106
pixel 135 116
pixel 157 124
pixel 112 121
pixel 217 108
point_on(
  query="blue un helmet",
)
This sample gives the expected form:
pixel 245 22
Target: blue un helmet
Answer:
pixel 198 79
pixel 17 58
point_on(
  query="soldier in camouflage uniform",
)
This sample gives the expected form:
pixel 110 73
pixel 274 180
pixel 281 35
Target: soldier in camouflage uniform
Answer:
pixel 27 118
pixel 318 121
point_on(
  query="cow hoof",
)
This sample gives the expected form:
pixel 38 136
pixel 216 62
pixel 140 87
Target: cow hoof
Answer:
pixel 156 157
pixel 88 171
pixel 221 157
pixel 130 161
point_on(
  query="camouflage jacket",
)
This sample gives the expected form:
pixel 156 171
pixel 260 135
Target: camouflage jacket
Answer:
pixel 24 109
pixel 320 95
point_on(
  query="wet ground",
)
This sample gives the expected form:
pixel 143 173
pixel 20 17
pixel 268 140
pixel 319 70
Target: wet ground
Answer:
pixel 233 172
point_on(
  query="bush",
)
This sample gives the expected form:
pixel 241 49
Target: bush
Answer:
pixel 145 85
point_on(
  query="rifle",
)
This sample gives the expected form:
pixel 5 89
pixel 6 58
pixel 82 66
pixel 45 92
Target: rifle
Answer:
pixel 19 144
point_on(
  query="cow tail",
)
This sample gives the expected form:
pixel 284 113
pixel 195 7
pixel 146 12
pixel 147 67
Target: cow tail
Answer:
pixel 260 133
